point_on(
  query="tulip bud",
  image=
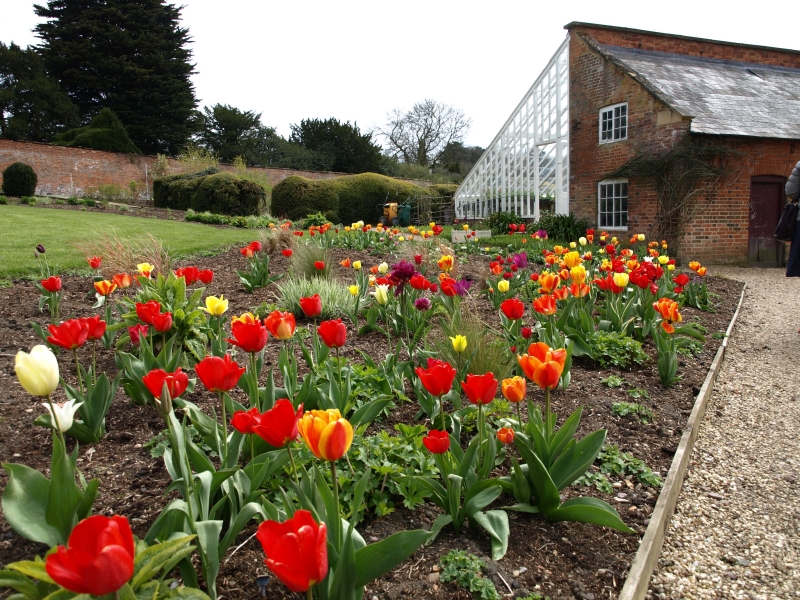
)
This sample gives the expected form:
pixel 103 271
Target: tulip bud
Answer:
pixel 383 268
pixel 37 371
pixel 381 294
pixel 459 343
pixel 357 265
pixel 62 415
pixel 502 286
pixel 353 289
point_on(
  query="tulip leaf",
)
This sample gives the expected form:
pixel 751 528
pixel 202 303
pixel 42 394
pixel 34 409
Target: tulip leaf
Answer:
pixel 480 495
pixel 468 459
pixel 20 583
pixel 149 562
pixel 64 497
pixel 367 413
pixel 248 511
pixel 63 594
pixel 170 520
pixel 577 459
pixel 495 523
pixel 565 433
pixel 526 508
pixel 188 594
pixel 89 495
pixel 25 504
pixel 589 510
pixel 208 541
pixel 546 491
pixel 377 559
pixel 454 485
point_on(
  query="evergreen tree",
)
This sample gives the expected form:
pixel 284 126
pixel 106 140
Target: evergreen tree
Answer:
pixel 126 55
pixel 229 132
pixel 350 150
pixel 33 106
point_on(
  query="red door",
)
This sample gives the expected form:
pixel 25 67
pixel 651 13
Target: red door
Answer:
pixel 766 203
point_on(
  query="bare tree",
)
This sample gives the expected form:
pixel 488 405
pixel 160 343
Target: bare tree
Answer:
pixel 420 135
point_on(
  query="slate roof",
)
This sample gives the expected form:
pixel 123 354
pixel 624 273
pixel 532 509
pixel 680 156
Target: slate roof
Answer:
pixel 722 97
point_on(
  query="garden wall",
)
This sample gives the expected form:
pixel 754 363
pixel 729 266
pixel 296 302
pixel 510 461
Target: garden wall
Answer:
pixel 71 171
pixel 719 233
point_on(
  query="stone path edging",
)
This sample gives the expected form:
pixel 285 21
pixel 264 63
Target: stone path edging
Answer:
pixel 638 580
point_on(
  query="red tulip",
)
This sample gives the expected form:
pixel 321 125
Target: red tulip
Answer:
pixel 69 335
pixel 681 279
pixel 97 327
pixel 287 252
pixel 162 322
pixel 94 261
pixel 319 265
pixel 205 276
pixel 190 274
pixel 247 252
pixel 418 259
pixel 437 378
pixel 418 281
pixel 146 312
pixel 136 332
pixel 245 422
pixel 526 332
pixel 480 389
pixel 249 336
pixel 438 442
pixel 123 280
pixel 311 306
pixel 176 382
pixel 333 333
pixel 98 559
pixel 545 305
pixel 278 425
pixel 513 308
pixel 297 550
pixel 255 246
pixel 280 324
pixel 505 435
pixel 219 374
pixel 52 284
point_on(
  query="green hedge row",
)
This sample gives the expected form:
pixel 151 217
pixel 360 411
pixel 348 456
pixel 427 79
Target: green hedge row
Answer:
pixel 248 222
pixel 342 199
pixel 210 191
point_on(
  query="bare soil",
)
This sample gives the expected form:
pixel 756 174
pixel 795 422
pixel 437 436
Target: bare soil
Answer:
pixel 562 560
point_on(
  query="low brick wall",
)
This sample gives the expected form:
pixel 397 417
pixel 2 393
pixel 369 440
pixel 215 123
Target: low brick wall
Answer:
pixel 71 171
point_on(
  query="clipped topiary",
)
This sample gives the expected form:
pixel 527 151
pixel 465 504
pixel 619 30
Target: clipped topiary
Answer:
pixel 210 190
pixel 177 191
pixel 19 180
pixel 104 132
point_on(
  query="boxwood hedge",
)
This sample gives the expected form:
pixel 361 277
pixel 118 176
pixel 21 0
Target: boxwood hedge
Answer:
pixel 209 190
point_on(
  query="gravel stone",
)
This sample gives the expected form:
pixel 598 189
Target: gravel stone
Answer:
pixel 736 528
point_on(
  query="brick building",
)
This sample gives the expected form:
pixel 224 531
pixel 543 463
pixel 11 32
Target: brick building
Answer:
pixel 627 93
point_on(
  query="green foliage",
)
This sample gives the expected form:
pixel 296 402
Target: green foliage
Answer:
pixel 624 409
pixel 32 104
pixel 443 189
pixel 143 78
pixel 350 151
pixel 209 190
pixel 719 335
pixel 561 227
pixel 19 179
pixel 104 132
pixel 315 219
pixel 615 348
pixel 248 222
pixel 618 463
pixel 499 221
pixel 613 381
pixel 29 200
pixel 304 258
pixel 351 198
pixel 228 133
pixel 336 299
pixel 690 348
pixel 3 200
pixel 638 393
pixel 466 570
pixel 487 351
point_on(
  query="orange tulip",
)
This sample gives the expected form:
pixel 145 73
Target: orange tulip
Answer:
pixel 668 309
pixel 346 263
pixel 548 282
pixel 579 290
pixel 543 365
pixel 694 265
pixel 326 433
pixel 122 280
pixel 545 305
pixel 572 259
pixel 505 435
pixel 560 293
pixel 280 324
pixel 701 271
pixel 104 287
pixel 514 388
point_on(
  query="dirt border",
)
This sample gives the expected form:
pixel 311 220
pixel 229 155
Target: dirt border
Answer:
pixel 641 571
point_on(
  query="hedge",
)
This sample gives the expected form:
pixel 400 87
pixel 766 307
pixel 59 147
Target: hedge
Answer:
pixel 344 199
pixel 209 191
pixel 19 179
pixel 104 132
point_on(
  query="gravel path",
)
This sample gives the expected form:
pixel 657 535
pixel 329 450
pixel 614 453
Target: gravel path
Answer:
pixel 736 529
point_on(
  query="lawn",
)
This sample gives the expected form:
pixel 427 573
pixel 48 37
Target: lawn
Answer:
pixel 23 227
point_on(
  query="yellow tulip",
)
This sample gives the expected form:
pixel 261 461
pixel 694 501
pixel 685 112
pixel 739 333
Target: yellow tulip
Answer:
pixel 37 371
pixel 578 274
pixel 573 245
pixel 670 267
pixel 357 265
pixel 145 268
pixel 582 241
pixel 465 227
pixel 572 259
pixel 663 259
pixel 502 286
pixel 383 268
pixel 381 294
pixel 621 279
pixel 216 306
pixel 640 237
pixel 459 343
pixel 353 290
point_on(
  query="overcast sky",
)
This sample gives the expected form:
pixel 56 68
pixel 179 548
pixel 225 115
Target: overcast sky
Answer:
pixel 356 61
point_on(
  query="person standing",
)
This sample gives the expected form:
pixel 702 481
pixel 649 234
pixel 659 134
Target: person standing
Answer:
pixel 793 192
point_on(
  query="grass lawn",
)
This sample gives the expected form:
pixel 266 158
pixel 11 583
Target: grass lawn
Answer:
pixel 23 227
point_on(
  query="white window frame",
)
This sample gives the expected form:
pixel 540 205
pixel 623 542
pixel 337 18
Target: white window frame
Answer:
pixel 600 212
pixel 615 125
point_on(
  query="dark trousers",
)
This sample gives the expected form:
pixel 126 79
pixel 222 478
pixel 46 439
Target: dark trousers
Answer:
pixel 793 266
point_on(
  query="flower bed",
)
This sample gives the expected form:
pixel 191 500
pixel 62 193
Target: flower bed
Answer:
pixel 553 559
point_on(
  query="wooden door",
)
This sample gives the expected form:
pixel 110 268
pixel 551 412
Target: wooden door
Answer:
pixel 766 203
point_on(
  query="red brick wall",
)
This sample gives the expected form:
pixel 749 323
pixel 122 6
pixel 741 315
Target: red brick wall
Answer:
pixel 720 230
pixel 71 171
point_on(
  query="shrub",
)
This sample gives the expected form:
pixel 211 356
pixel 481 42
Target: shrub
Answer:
pixel 499 221
pixel 19 180
pixel 315 219
pixel 209 190
pixel 29 200
pixel 104 132
pixel 447 190
pixel 562 227
pixel 3 200
pixel 342 199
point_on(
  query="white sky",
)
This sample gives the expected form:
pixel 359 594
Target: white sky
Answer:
pixel 357 60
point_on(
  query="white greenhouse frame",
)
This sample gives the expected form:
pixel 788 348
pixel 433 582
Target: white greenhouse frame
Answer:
pixel 528 161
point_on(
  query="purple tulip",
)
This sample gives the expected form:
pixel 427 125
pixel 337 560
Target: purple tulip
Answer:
pixel 422 304
pixel 520 260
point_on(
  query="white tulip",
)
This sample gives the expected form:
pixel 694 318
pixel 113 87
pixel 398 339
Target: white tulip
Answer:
pixel 37 371
pixel 381 294
pixel 64 414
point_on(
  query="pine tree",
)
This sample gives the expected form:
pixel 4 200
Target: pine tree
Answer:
pixel 352 151
pixel 126 55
